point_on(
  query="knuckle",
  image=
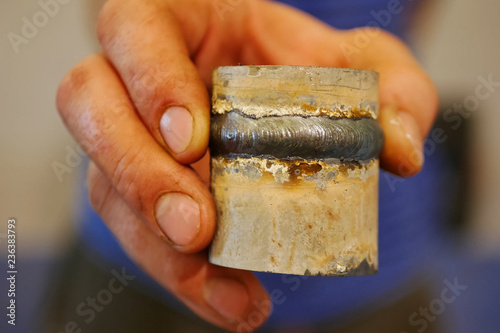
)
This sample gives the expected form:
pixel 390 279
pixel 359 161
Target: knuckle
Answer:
pixel 154 87
pixel 63 91
pixel 125 178
pixel 185 281
pixel 99 189
pixel 73 82
pixel 104 20
pixel 116 14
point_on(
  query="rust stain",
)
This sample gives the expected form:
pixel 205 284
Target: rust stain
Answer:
pixel 222 103
pixel 345 166
pixel 275 234
pixel 297 169
pixel 292 251
pixel 332 216
pixel 355 112
pixel 290 173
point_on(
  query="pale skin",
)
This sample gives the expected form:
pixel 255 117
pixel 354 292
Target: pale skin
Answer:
pixel 141 110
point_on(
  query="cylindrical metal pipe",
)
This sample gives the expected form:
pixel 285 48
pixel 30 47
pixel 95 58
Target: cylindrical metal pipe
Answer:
pixel 295 169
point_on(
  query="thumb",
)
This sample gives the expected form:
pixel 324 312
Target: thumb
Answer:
pixel 408 100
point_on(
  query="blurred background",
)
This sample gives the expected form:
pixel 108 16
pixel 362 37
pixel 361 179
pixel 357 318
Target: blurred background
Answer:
pixel 455 40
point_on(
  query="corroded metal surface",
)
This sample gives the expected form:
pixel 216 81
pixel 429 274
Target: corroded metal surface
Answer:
pixel 295 170
pixel 301 217
pixel 263 91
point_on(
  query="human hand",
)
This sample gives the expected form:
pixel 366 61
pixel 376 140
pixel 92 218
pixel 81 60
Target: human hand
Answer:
pixel 140 110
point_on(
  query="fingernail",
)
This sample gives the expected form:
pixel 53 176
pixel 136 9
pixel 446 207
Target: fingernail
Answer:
pixel 412 132
pixel 404 127
pixel 227 296
pixel 178 216
pixel 176 127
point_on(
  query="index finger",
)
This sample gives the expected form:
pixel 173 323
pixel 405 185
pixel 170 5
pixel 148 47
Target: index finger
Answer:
pixel 143 41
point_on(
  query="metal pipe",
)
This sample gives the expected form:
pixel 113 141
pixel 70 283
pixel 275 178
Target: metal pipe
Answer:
pixel 295 169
